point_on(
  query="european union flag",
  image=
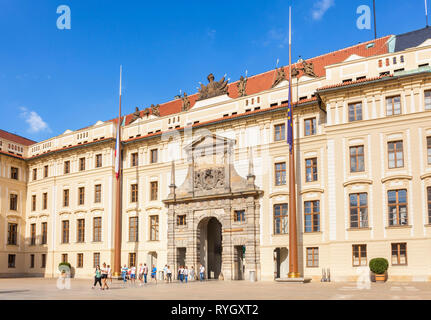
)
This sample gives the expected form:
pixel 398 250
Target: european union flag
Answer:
pixel 290 120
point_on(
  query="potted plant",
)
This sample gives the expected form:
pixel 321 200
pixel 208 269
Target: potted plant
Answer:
pixel 379 266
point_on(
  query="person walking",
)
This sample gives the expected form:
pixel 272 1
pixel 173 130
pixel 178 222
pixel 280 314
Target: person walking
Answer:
pixel 133 275
pixel 192 273
pixel 165 273
pixel 169 275
pixel 201 273
pixel 145 272
pixel 181 273
pixel 124 273
pixel 97 277
pixel 105 276
pixel 109 273
pixel 154 273
pixel 141 274
pixel 186 274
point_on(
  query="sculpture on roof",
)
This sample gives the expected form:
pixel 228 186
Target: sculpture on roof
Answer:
pixel 308 69
pixel 213 88
pixel 155 110
pixel 242 86
pixel 280 76
pixel 186 102
pixel 136 115
pixel 295 72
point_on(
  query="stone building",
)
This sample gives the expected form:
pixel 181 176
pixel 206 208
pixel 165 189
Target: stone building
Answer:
pixel 205 175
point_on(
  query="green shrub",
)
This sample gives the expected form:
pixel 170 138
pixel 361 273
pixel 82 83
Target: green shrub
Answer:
pixel 64 266
pixel 379 265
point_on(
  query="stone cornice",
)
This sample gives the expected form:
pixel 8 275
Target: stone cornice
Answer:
pixel 357 181
pixel 397 177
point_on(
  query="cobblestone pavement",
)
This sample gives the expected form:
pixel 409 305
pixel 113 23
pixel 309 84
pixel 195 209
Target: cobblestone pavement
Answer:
pixel 46 289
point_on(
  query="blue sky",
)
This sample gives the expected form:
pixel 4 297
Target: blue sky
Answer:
pixel 52 80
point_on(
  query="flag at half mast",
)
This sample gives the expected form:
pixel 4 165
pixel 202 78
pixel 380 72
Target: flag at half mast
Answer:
pixel 118 139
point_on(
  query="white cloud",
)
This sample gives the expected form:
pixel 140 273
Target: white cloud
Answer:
pixel 277 36
pixel 320 8
pixel 35 121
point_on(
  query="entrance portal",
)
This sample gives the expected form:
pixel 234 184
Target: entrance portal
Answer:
pixel 211 247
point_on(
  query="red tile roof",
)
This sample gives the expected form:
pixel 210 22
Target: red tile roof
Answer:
pixel 264 81
pixel 15 138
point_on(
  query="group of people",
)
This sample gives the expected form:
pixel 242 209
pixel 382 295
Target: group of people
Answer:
pixel 102 275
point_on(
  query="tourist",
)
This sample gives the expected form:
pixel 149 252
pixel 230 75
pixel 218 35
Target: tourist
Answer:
pixel 141 274
pixel 181 273
pixel 201 273
pixel 192 274
pixel 124 273
pixel 133 274
pixel 110 273
pixel 97 277
pixel 154 273
pixel 186 273
pixel 165 269
pixel 145 272
pixel 169 274
pixel 104 276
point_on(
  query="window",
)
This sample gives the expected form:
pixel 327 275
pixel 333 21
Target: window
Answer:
pixel 355 112
pixel 43 261
pixel 81 164
pixel 44 238
pixel 153 156
pixel 14 173
pixel 429 149
pixel 98 160
pixel 181 220
pixel 97 229
pixel 45 171
pixel 280 174
pixel 134 159
pixel 359 210
pixel 96 259
pixel 380 63
pixel 33 202
pixel 395 154
pixel 280 219
pixel 397 202
pixel 31 261
pixel 34 174
pixel 66 167
pixel 312 216
pixel 81 197
pixel 134 193
pixel 280 132
pixel 357 163
pixel 65 231
pixel 312 257
pixel 359 255
pixel 11 260
pixel 80 260
pixel 132 259
pixel 64 257
pixel 393 106
pixel 310 127
pixel 154 190
pixel 429 204
pixel 154 228
pixel 239 216
pixel 12 234
pixel 399 254
pixel 80 231
pixel 97 193
pixel 45 201
pixel 66 198
pixel 13 202
pixel 311 170
pixel 133 229
pixel 33 234
pixel 428 100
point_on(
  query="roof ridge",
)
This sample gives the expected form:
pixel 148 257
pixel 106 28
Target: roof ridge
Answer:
pixel 17 135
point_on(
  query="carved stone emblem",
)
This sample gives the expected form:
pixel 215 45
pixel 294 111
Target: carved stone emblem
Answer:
pixel 136 115
pixel 295 72
pixel 281 76
pixel 242 85
pixel 209 179
pixel 308 69
pixel 213 88
pixel 155 110
pixel 186 102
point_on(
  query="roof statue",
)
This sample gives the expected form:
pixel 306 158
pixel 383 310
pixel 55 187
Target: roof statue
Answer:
pixel 186 102
pixel 213 88
pixel 136 115
pixel 308 69
pixel 281 76
pixel 295 72
pixel 242 86
pixel 155 110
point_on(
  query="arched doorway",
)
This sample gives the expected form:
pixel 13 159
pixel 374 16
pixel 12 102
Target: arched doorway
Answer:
pixel 210 246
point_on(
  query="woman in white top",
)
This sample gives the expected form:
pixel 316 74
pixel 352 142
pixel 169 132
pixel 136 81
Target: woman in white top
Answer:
pixel 186 273
pixel 192 274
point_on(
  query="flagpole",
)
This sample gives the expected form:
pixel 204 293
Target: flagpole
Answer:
pixel 293 241
pixel 375 22
pixel 117 246
pixel 426 13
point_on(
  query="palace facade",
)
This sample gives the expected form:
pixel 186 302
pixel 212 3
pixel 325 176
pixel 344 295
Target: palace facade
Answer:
pixel 205 176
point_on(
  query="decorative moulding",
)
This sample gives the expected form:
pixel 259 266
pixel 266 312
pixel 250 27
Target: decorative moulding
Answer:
pixel 318 190
pixel 97 209
pixel 426 176
pixel 133 209
pixel 357 181
pixel 279 193
pixel 397 177
pixel 64 212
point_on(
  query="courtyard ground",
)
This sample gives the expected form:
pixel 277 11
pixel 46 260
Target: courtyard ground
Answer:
pixel 47 289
